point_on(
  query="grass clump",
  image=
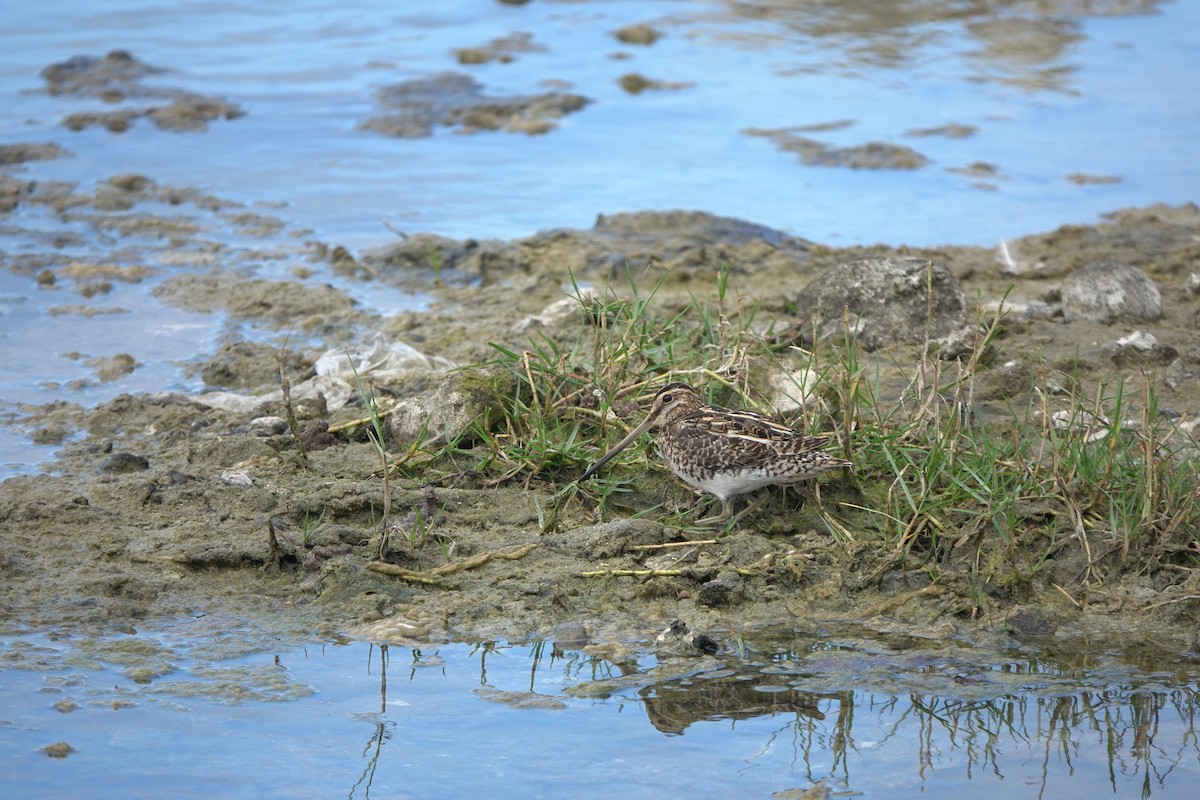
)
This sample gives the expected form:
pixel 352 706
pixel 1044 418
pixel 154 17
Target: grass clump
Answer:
pixel 940 479
pixel 577 394
pixel 375 434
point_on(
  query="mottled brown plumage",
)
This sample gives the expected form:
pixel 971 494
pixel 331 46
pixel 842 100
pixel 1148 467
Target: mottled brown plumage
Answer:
pixel 725 452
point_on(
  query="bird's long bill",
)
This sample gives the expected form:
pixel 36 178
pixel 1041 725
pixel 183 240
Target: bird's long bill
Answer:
pixel 618 447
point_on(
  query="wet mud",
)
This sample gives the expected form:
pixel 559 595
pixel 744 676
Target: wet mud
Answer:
pixel 414 108
pixel 117 80
pixel 163 503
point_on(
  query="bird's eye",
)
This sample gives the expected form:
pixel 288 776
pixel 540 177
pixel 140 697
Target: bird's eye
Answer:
pixel 666 398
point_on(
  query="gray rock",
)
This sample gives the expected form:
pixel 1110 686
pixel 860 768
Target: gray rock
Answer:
pixel 120 463
pixel 267 426
pixel 571 635
pixel 889 299
pixel 1141 349
pixel 720 591
pixel 1107 291
pixel 464 398
pixel 238 478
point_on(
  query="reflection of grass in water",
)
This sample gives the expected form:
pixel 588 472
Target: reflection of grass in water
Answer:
pixel 988 734
pixel 994 733
pixel 1051 716
pixel 1121 723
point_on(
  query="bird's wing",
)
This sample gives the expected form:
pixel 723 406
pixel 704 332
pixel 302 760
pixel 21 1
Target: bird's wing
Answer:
pixel 742 438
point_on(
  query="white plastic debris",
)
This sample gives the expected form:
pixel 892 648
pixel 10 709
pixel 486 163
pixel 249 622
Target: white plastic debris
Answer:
pixel 793 389
pixel 559 312
pixel 1139 340
pixel 381 360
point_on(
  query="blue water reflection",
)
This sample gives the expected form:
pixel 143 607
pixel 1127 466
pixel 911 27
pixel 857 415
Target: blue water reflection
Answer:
pixel 351 719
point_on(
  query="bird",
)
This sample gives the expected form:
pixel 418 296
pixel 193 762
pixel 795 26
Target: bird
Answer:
pixel 724 452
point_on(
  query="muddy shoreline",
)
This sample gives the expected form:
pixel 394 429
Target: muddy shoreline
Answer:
pixel 160 504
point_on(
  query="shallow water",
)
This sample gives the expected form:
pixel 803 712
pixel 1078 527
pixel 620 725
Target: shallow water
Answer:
pixel 342 718
pixel 1039 92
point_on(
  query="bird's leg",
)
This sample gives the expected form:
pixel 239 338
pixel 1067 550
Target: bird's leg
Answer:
pixel 752 507
pixel 726 513
pixel 728 517
pixel 816 492
pixel 794 501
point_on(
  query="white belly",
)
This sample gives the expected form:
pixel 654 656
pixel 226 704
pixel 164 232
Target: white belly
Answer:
pixel 728 484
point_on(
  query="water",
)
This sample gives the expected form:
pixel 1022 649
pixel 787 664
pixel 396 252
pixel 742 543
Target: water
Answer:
pixel 1071 93
pixel 1095 97
pixel 342 718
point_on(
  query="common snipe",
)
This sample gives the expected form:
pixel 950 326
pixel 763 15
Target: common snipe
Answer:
pixel 724 452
